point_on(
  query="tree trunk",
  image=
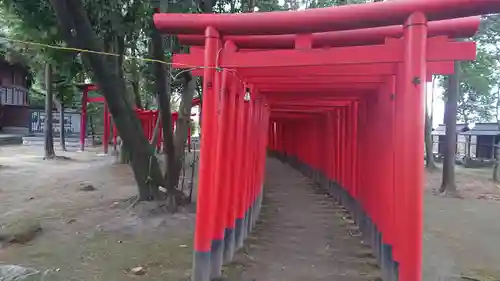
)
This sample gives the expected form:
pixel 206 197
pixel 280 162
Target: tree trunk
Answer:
pixel 162 85
pixel 144 164
pixel 468 140
pixel 496 167
pixel 429 142
pixel 429 156
pixel 124 155
pixel 448 185
pixel 48 134
pixel 62 133
pixel 200 107
pixel 137 92
pixel 156 133
pixel 183 123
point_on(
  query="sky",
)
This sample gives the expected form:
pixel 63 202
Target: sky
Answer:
pixel 437 105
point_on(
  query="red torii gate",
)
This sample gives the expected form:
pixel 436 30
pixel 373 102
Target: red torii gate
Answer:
pixel 147 117
pixel 86 88
pixel 350 116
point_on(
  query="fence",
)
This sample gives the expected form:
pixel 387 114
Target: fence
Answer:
pixel 71 122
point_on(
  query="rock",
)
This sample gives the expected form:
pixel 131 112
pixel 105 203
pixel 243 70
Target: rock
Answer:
pixel 88 187
pixel 63 158
pixel 20 273
pixel 19 231
pixel 139 270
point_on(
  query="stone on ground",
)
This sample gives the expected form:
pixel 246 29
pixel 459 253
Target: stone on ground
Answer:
pixel 19 231
pixel 19 273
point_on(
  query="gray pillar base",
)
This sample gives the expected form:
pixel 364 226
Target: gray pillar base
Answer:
pixel 259 202
pixel 201 266
pixel 217 258
pixel 245 227
pixel 387 263
pixel 250 219
pixel 253 220
pixel 238 233
pixel 395 270
pixel 378 245
pixel 229 244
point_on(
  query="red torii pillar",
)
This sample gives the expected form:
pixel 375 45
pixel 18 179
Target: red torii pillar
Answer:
pixel 86 88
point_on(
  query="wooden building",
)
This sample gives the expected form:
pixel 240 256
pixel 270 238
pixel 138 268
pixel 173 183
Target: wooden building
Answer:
pixel 476 142
pixel 14 99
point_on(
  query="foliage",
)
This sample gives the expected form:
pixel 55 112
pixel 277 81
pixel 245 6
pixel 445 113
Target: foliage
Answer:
pixel 476 100
pixel 117 21
pixel 479 79
pixel 32 21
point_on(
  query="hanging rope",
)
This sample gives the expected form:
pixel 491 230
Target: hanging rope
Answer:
pixel 79 50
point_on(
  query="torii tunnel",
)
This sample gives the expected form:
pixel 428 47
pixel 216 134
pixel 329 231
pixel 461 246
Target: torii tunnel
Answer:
pixel 338 93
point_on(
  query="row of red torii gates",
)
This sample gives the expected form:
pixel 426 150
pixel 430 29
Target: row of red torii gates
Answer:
pixel 148 119
pixel 339 93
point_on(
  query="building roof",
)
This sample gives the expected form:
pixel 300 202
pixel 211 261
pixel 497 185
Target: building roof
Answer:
pixel 480 129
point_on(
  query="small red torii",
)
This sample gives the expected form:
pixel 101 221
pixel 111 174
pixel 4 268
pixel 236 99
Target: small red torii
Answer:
pixel 148 118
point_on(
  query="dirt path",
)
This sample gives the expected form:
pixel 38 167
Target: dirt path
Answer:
pixel 301 236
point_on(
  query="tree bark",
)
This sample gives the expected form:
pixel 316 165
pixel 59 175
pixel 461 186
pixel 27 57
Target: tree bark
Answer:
pixel 137 91
pixel 468 140
pixel 48 134
pixel 156 134
pixel 62 133
pixel 429 121
pixel 429 156
pixel 183 123
pixel 496 166
pixel 162 86
pixel 144 164
pixel 448 185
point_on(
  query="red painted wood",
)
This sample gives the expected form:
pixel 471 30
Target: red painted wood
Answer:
pixel 324 19
pixel 206 200
pixel 454 28
pixel 438 50
pixel 414 67
pixel 221 173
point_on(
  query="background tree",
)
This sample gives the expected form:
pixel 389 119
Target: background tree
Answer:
pixel 477 100
pixel 448 185
pixel 429 157
pixel 489 37
pixel 48 139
